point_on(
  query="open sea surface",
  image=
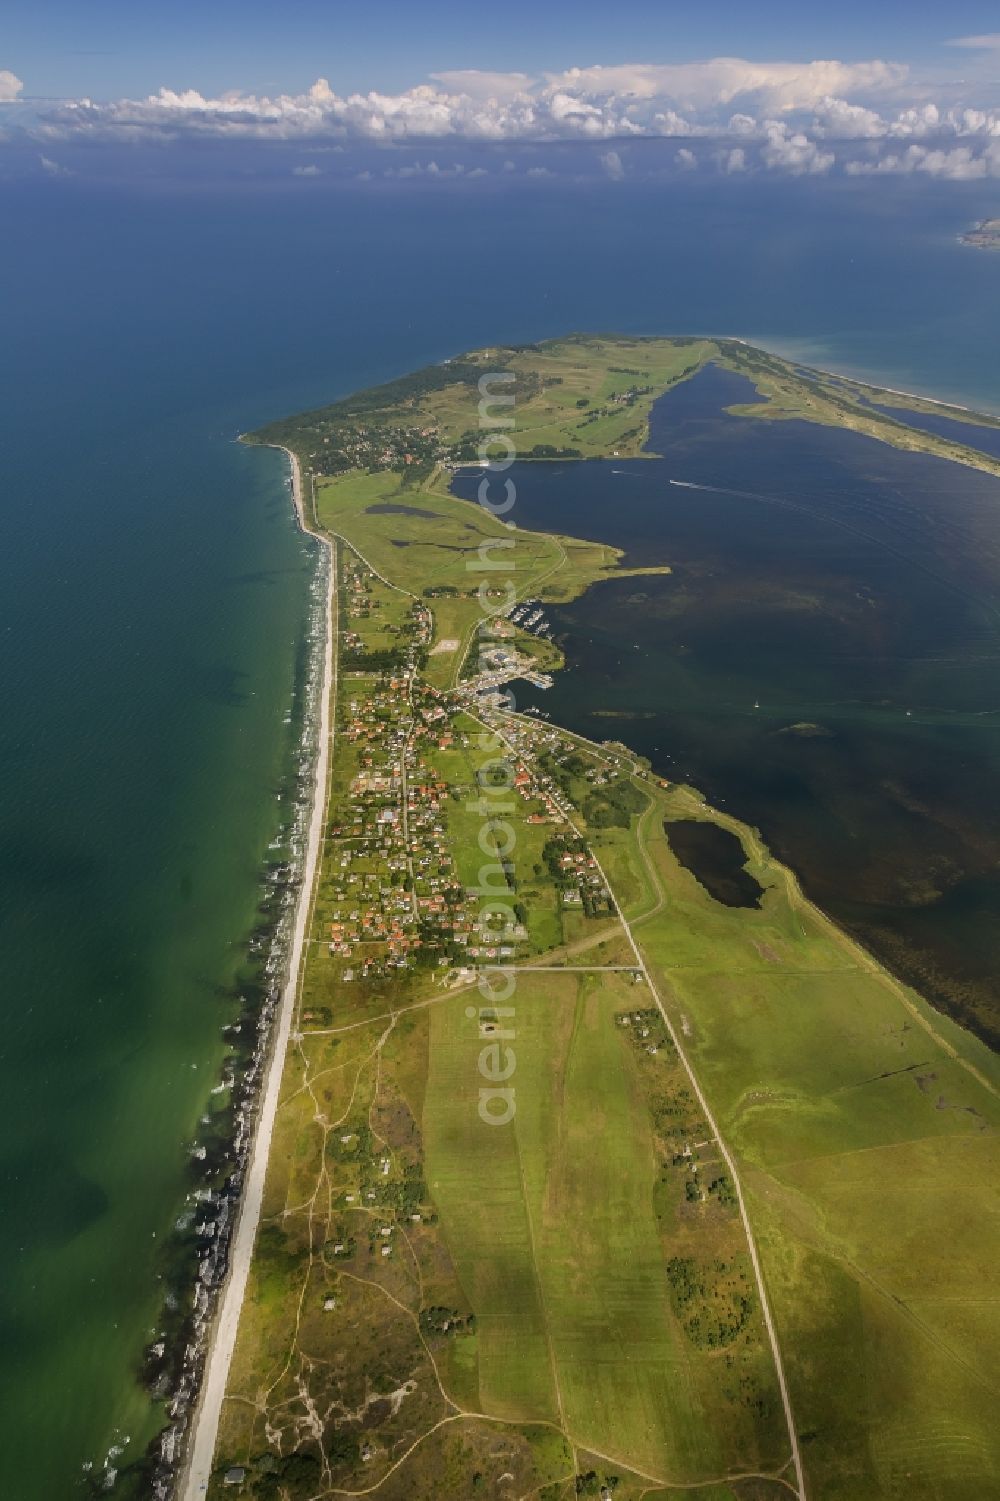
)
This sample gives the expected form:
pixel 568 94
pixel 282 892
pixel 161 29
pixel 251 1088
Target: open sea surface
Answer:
pixel 154 596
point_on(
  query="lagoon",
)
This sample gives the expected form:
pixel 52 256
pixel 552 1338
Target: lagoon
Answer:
pixel 821 661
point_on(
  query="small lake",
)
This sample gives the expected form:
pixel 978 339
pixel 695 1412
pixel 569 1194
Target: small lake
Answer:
pixel 821 661
pixel 716 859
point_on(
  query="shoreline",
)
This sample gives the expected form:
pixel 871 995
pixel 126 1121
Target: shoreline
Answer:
pixel 196 1469
pixel 849 374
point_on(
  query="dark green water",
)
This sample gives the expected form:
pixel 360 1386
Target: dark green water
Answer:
pixel 823 660
pixel 142 751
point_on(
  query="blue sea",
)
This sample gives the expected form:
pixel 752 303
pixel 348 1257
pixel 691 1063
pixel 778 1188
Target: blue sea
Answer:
pixel 154 597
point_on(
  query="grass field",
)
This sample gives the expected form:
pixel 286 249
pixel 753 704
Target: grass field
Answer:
pixel 865 1126
pixel 559 1247
pixel 431 539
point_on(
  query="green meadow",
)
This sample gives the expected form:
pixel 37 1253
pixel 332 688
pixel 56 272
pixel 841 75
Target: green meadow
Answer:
pixel 865 1127
pixel 428 539
pixel 558 1246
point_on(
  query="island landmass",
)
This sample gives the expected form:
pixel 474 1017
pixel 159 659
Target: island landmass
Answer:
pixel 598 1160
pixel 985 235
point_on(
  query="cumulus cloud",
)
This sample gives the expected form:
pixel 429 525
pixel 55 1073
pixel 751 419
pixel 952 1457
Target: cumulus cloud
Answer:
pixel 431 169
pixel 803 118
pixel 959 164
pixel 847 122
pixel 793 152
pixel 10 86
pixel 54 169
pixel 719 81
pixel 732 161
pixel 308 171
pixel 590 103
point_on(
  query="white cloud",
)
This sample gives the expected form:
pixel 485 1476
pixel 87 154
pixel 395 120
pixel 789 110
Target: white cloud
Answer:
pixel 433 170
pixel 848 122
pixel 732 161
pixel 10 86
pixel 53 168
pixel 782 116
pixel 793 152
pixel 721 80
pixel 741 125
pixel 959 164
pixel 310 171
pixel 591 103
pixel 668 122
pixel 987 42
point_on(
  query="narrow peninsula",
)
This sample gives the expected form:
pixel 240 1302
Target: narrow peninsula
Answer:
pixel 592 1168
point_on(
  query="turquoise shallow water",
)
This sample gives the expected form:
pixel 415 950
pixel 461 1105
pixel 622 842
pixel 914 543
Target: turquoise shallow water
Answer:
pixel 153 596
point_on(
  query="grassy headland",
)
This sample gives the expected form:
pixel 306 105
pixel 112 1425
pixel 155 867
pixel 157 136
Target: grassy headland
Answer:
pixel 579 397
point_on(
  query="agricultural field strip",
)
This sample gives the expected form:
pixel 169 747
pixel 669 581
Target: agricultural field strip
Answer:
pixel 731 1166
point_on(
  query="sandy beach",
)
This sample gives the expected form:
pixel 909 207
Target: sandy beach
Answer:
pixel 197 1466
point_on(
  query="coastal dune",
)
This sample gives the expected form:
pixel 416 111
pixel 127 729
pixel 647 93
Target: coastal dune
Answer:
pixel 197 1468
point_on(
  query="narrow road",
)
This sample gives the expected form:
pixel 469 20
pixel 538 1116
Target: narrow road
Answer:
pixel 406 802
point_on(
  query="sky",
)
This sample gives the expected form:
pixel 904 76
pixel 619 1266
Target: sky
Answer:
pixel 108 48
pixel 901 86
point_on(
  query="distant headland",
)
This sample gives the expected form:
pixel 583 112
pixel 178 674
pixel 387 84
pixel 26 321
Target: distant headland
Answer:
pixel 986 235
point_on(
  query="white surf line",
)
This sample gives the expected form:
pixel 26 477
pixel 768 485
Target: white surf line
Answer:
pixel 197 1468
pixel 716 1134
